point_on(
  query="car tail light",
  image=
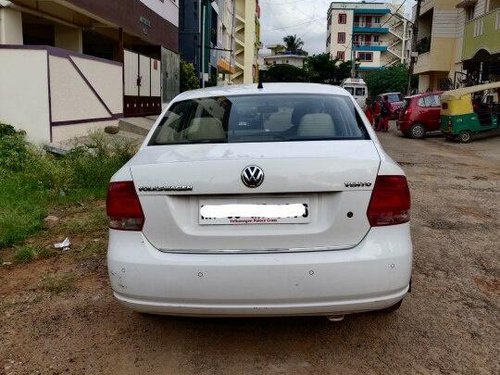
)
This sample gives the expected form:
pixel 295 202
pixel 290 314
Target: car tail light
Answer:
pixel 390 201
pixel 123 207
pixel 407 112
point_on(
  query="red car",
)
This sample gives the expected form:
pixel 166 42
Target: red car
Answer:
pixel 395 100
pixel 420 114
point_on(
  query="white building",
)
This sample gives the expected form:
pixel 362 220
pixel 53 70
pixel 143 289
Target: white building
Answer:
pixel 279 56
pixel 376 34
pixel 71 66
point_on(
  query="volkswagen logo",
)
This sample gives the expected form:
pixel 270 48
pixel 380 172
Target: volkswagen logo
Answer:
pixel 252 176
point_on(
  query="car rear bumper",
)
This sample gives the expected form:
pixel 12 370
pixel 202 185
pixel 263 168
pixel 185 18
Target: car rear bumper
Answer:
pixel 373 275
pixel 403 125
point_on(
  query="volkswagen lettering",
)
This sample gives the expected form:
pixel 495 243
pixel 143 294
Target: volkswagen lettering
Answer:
pixel 247 201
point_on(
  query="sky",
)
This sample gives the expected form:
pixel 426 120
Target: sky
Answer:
pixel 305 18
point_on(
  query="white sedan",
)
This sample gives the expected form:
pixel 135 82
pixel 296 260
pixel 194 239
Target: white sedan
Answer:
pixel 258 202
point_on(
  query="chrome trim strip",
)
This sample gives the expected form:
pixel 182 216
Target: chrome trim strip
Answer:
pixel 259 251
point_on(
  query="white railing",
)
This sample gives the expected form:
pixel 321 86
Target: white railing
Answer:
pixel 367 24
pixel 365 43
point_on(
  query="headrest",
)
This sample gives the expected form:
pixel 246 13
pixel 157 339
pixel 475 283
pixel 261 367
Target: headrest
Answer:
pixel 316 125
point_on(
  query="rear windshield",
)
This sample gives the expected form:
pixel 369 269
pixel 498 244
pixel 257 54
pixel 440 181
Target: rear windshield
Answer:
pixel 393 98
pixel 260 118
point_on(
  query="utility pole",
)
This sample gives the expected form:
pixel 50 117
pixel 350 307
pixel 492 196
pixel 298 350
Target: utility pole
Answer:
pixel 413 50
pixel 353 66
pixel 203 49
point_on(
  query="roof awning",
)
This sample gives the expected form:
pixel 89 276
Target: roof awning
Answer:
pixel 225 67
pixel 458 93
pixel 466 3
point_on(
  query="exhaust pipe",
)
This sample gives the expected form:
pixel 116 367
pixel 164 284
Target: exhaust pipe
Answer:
pixel 335 318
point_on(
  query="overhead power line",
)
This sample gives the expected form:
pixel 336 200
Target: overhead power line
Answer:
pixel 295 25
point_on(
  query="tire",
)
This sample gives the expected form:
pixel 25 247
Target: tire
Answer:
pixel 465 136
pixel 392 308
pixel 417 131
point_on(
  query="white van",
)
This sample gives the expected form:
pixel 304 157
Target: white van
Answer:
pixel 357 88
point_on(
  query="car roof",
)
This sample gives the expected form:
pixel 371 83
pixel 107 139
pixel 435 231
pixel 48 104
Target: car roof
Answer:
pixel 458 93
pixel 421 95
pixel 388 93
pixel 268 88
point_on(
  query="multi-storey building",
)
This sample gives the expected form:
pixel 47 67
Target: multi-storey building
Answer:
pixel 209 23
pixel 458 43
pixel 68 66
pixel 225 58
pixel 481 41
pixel 374 34
pixel 247 41
pixel 229 30
pixel 439 43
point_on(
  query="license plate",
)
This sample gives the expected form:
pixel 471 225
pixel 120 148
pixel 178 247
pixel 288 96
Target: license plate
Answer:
pixel 272 211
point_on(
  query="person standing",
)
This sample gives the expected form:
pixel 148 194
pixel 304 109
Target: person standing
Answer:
pixel 369 110
pixel 385 112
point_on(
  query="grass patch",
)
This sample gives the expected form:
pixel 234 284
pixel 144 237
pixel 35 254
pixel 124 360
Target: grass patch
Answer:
pixel 28 253
pixel 91 250
pixel 33 181
pixel 59 282
pixel 89 223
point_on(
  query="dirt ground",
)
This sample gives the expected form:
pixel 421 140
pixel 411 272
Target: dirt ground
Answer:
pixel 58 316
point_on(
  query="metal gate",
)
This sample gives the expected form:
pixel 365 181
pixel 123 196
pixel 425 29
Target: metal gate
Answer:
pixel 142 79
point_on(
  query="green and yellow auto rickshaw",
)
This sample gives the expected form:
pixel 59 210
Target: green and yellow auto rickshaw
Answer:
pixel 470 110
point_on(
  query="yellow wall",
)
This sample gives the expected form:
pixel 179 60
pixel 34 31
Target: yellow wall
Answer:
pixel 246 55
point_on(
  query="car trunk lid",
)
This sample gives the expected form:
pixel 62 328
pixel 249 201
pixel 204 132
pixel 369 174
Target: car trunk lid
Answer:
pixel 332 179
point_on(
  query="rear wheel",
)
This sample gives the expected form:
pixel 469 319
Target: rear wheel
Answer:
pixel 465 136
pixel 417 131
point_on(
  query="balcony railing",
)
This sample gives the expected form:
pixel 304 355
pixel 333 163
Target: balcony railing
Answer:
pixel 367 24
pixel 367 43
pixel 424 45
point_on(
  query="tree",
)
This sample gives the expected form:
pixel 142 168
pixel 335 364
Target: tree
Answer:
pixel 393 78
pixel 284 73
pixel 294 45
pixel 321 68
pixel 188 79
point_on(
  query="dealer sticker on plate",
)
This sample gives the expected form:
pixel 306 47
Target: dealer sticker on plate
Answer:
pixel 275 211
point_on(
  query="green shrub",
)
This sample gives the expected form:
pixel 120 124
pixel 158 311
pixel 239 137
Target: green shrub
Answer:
pixel 14 152
pixel 32 180
pixel 28 253
pixel 6 129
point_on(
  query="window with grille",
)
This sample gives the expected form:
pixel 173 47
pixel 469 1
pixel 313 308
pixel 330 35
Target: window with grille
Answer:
pixel 365 56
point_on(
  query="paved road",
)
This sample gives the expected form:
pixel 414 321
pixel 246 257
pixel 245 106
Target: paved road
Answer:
pixel 448 325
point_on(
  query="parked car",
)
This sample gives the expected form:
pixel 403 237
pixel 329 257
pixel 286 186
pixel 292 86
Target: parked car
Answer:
pixel 420 114
pixel 395 100
pixel 251 202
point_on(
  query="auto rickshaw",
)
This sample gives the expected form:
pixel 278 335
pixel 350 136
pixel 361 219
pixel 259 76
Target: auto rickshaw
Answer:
pixel 470 110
